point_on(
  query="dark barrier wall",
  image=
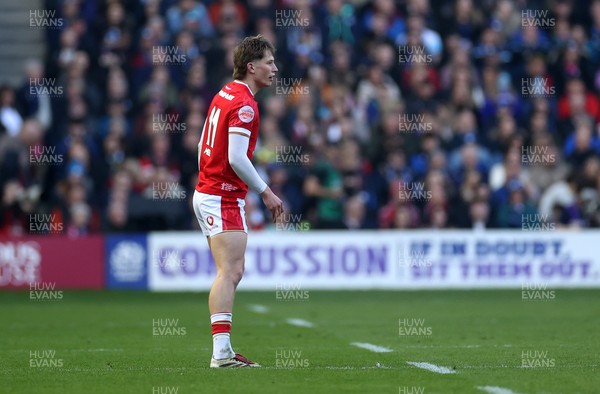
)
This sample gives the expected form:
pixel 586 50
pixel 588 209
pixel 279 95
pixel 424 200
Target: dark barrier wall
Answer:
pixel 66 263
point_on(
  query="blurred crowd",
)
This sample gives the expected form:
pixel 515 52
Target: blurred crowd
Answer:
pixel 384 114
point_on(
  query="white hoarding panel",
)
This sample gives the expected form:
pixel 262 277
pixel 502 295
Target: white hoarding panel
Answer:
pixel 385 260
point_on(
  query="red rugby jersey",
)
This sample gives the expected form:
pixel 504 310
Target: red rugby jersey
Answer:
pixel 232 110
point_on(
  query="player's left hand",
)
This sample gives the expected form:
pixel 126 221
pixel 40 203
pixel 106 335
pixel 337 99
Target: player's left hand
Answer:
pixel 272 202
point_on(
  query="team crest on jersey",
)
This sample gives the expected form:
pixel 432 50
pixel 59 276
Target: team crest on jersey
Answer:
pixel 246 114
pixel 210 220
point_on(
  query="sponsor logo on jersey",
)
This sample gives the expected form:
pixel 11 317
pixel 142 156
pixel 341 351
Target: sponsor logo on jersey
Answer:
pixel 226 96
pixel 246 114
pixel 228 186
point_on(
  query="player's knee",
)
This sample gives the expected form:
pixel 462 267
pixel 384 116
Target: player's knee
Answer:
pixel 234 272
pixel 237 273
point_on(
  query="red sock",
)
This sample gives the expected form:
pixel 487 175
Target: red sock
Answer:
pixel 220 323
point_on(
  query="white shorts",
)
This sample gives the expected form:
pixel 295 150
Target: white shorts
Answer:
pixel 217 214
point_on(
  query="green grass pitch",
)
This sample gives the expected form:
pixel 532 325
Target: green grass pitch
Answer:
pixel 138 342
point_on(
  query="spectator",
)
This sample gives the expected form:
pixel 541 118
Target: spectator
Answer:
pixel 116 36
pixel 79 223
pixel 354 213
pixel 512 212
pixel 32 102
pixel 582 144
pixel 324 185
pixel 190 15
pixel 479 214
pixel 10 119
pixel 400 211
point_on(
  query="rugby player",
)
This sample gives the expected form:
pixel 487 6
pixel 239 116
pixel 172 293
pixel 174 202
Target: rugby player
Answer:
pixel 225 172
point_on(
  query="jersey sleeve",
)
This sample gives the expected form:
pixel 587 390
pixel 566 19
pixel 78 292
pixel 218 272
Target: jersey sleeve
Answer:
pixel 243 118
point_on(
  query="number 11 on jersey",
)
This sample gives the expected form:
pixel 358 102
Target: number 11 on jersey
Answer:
pixel 212 121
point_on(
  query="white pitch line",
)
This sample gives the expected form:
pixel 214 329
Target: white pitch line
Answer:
pixel 496 390
pixel 442 347
pixel 354 368
pixel 431 367
pixel 571 366
pixel 109 369
pixel 300 323
pixel 258 308
pixel 371 347
pixel 342 368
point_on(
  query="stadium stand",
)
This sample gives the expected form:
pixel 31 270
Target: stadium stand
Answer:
pixel 385 114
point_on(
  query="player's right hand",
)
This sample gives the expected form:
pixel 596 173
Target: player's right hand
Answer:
pixel 272 202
